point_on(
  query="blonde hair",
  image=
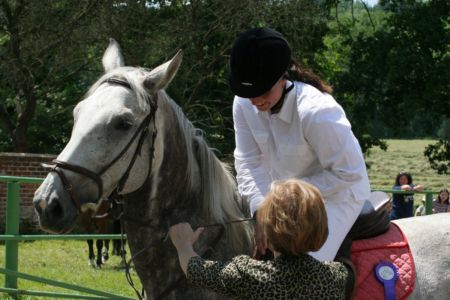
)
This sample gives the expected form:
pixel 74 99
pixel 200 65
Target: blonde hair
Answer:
pixel 294 217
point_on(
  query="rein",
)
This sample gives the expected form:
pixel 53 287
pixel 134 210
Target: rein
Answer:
pixel 58 166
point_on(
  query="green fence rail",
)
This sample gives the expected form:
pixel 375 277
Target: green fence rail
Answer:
pixel 12 238
pixel 428 197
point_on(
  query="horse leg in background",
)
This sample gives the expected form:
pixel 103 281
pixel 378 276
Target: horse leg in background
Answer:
pixel 116 247
pixel 105 252
pixel 91 252
pixel 99 244
pixel 116 243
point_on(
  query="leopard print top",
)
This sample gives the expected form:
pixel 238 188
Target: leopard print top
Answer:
pixel 300 277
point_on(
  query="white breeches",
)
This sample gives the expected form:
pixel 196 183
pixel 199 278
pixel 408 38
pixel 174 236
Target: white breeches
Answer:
pixel 342 213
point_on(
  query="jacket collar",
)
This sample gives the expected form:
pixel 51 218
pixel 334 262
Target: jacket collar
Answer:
pixel 288 109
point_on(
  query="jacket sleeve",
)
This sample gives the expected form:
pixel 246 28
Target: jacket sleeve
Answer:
pixel 252 175
pixel 329 133
pixel 225 277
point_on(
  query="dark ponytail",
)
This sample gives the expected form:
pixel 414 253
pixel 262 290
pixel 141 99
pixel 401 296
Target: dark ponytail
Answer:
pixel 299 73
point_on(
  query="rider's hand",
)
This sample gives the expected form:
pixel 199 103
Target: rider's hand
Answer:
pixel 261 239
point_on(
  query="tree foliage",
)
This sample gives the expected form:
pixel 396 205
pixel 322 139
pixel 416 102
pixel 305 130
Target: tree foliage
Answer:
pixel 389 64
pixel 391 71
pixel 439 156
pixel 39 59
pixel 150 32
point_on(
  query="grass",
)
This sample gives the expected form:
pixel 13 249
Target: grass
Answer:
pixel 67 261
pixel 404 155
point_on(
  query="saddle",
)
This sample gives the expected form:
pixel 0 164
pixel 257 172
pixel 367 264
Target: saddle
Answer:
pixel 373 239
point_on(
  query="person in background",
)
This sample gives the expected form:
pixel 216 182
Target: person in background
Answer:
pixel 294 218
pixel 287 124
pixel 441 203
pixel 403 204
pixel 421 211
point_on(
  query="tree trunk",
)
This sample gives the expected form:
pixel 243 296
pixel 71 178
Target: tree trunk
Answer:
pixel 20 140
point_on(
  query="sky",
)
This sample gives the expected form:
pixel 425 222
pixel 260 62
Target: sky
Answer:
pixel 371 2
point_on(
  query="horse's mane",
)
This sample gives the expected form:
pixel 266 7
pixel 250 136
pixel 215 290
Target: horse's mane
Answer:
pixel 220 199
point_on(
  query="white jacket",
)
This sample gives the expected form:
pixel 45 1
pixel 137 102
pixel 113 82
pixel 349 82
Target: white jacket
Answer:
pixel 309 139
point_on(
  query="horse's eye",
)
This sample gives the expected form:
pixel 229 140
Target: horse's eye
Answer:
pixel 124 124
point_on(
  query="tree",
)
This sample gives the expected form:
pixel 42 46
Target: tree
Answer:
pixel 206 31
pixel 50 52
pixel 350 22
pixel 439 156
pixel 392 72
pixel 37 54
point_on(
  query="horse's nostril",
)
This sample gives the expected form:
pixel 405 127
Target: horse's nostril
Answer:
pixel 57 210
pixel 54 209
pixel 38 209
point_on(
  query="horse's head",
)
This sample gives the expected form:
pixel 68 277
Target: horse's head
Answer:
pixel 109 146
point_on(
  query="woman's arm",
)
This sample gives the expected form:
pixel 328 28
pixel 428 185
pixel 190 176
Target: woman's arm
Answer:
pixel 224 277
pixel 252 176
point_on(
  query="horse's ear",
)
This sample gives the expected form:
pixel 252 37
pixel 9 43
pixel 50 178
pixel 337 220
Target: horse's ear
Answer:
pixel 112 58
pixel 160 77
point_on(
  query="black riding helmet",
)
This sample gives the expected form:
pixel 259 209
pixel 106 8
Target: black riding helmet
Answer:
pixel 259 58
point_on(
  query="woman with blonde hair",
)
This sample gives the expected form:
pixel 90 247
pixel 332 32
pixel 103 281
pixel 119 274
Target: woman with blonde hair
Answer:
pixel 294 218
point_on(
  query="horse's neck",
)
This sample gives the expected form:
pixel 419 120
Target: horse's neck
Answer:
pixel 171 196
pixel 168 197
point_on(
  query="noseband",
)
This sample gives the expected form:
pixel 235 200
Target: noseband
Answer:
pixel 58 166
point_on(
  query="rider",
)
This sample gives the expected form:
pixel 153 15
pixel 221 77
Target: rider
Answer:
pixel 287 124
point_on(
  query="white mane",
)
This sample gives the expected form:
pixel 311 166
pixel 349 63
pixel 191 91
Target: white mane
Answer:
pixel 219 190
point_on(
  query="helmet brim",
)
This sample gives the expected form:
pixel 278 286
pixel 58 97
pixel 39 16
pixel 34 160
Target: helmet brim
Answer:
pixel 249 90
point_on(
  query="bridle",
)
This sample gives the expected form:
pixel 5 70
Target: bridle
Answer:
pixel 142 131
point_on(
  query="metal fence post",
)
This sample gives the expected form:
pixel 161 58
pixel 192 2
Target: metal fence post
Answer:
pixel 429 203
pixel 12 227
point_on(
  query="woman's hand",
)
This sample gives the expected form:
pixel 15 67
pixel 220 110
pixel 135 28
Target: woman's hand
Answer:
pixel 183 236
pixel 406 187
pixel 418 188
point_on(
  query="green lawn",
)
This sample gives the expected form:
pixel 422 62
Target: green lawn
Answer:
pixel 67 261
pixel 404 155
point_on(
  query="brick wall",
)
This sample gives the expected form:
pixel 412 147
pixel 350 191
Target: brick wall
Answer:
pixel 24 165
